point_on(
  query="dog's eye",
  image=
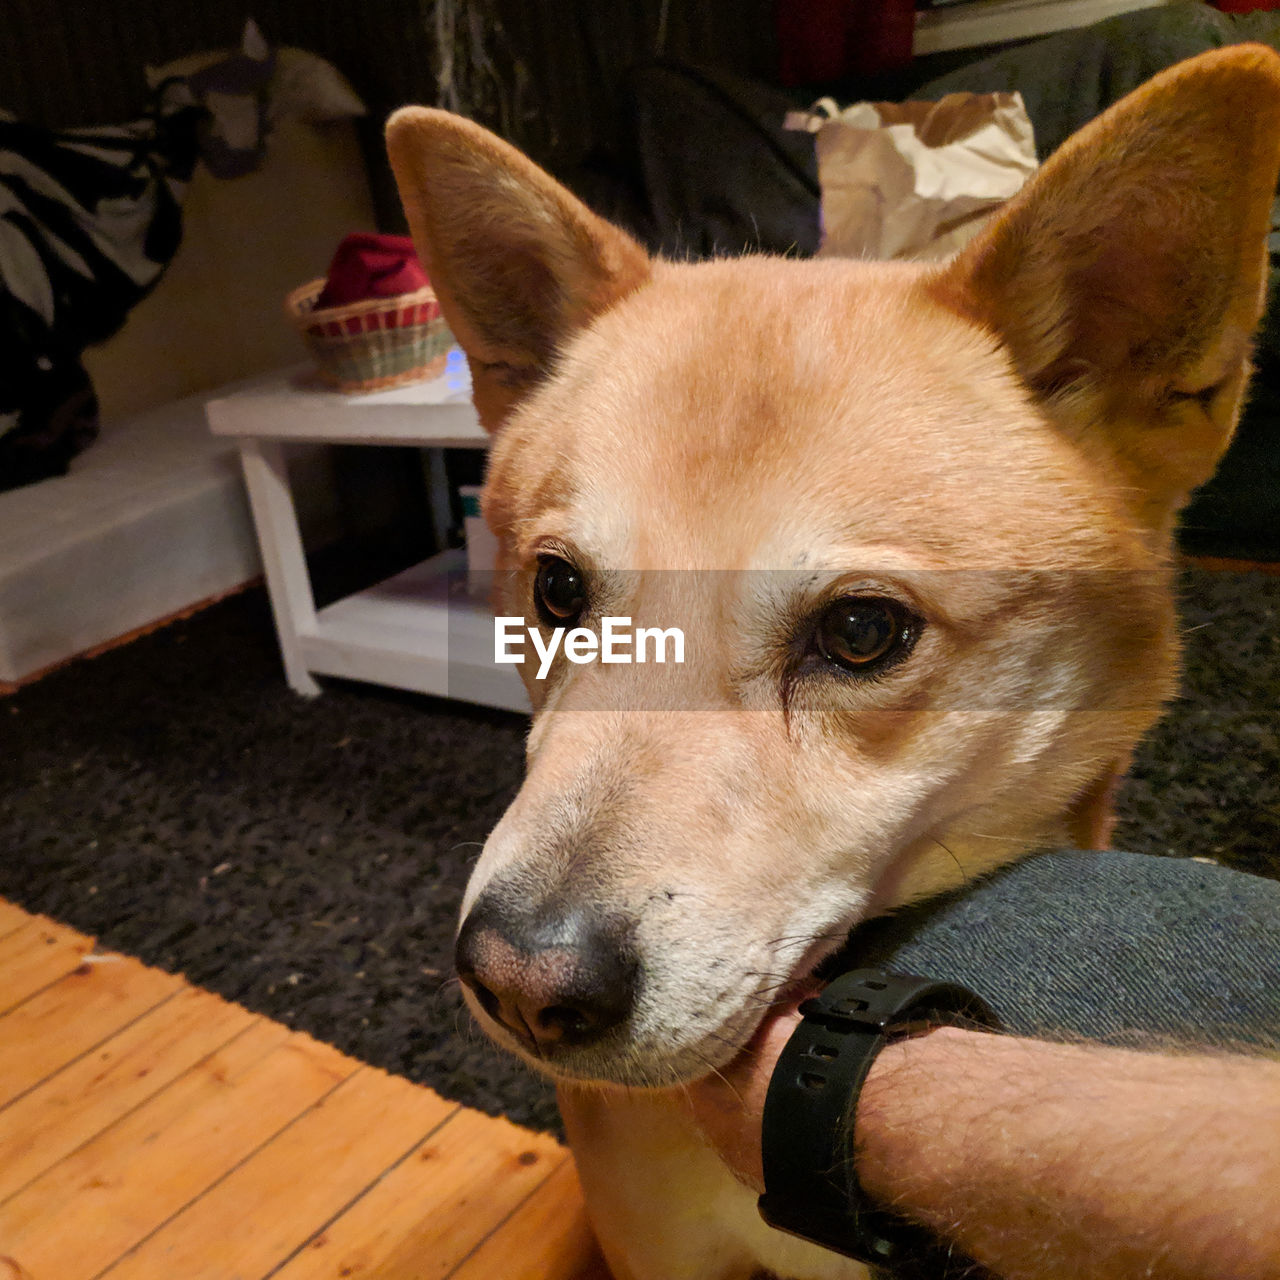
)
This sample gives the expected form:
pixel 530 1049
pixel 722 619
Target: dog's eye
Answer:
pixel 559 591
pixel 863 634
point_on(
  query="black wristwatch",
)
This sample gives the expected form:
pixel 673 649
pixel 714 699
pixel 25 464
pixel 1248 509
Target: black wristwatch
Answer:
pixel 811 1188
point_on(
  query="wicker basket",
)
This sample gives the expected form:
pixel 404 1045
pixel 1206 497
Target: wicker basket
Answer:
pixel 375 344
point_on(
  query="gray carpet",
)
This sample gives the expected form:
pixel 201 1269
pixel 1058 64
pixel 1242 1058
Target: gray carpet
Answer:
pixel 307 857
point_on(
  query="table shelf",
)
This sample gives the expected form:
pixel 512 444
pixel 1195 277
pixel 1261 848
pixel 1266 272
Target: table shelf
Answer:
pixel 417 630
pixel 293 405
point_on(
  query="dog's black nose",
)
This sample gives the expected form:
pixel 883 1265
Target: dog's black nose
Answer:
pixel 551 976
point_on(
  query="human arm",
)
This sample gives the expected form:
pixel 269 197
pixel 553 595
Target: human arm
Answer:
pixel 1052 1161
pixel 1078 1162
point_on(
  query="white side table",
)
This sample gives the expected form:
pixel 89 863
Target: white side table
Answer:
pixel 419 630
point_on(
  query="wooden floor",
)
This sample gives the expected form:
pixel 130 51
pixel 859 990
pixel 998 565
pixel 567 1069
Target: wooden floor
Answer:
pixel 152 1131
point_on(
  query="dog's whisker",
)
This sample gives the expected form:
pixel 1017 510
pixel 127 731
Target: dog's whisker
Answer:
pixel 773 989
pixel 715 1035
pixel 824 935
pixel 775 982
pixel 720 1075
pixel 448 984
pixel 959 865
pixel 762 1001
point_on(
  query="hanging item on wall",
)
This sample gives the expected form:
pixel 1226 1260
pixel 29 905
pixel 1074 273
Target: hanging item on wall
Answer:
pixel 244 93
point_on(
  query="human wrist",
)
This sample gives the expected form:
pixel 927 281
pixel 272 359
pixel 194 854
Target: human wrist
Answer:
pixel 810 1186
pixel 887 1138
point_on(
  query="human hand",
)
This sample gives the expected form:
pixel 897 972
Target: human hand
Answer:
pixel 728 1105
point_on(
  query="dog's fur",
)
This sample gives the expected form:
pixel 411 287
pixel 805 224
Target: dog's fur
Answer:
pixel 1000 443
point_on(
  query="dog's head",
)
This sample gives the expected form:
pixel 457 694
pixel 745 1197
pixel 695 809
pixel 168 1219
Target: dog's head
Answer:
pixel 913 522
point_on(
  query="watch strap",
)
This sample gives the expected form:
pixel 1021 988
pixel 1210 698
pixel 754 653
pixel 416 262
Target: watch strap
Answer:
pixel 811 1187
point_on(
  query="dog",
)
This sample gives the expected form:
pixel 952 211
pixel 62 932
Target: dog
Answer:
pixel 915 522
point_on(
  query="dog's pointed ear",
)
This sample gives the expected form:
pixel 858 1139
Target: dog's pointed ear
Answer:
pixel 1127 278
pixel 518 263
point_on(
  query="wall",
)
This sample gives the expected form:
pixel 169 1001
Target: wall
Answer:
pixel 217 313
pixel 557 66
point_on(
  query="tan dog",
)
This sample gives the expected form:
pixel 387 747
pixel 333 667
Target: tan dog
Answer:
pixel 937 502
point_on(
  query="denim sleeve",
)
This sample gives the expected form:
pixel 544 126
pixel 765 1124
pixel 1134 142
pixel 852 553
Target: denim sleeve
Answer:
pixel 1120 948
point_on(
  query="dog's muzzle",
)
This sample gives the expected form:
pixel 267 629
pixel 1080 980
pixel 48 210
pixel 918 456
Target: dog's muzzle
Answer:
pixel 555 977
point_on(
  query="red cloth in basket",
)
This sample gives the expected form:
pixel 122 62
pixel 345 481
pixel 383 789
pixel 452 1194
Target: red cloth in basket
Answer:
pixel 366 266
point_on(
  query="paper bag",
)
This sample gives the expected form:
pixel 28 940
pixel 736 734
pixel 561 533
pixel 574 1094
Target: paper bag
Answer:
pixel 916 179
